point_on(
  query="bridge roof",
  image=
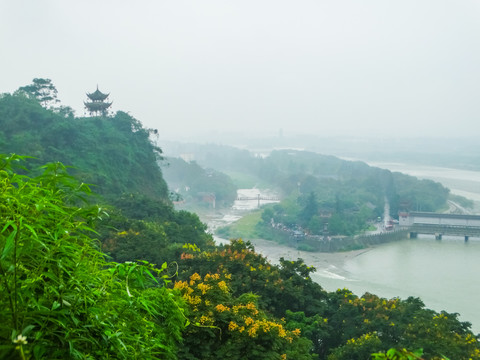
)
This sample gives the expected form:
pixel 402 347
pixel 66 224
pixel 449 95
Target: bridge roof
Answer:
pixel 443 216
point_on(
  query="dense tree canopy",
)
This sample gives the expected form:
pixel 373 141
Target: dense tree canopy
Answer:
pixel 42 90
pixel 60 299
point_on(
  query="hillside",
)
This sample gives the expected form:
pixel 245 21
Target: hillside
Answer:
pixel 113 153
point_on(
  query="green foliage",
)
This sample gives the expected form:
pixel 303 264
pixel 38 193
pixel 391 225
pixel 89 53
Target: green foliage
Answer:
pixel 246 227
pixel 398 354
pixel 397 324
pixel 231 327
pixel 190 180
pixel 281 288
pixel 420 195
pixel 140 228
pixel 42 90
pixel 309 210
pixel 60 298
pixel 357 348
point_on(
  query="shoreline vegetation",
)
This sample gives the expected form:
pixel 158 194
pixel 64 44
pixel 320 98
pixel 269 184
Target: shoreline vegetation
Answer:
pixel 248 226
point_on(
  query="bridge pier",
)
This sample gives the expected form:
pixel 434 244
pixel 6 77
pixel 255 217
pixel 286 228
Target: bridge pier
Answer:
pixel 412 235
pixel 438 236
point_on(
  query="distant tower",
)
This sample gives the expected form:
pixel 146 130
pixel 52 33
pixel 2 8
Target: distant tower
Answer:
pixel 97 106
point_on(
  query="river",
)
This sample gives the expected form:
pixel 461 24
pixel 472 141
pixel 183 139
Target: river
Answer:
pixel 444 274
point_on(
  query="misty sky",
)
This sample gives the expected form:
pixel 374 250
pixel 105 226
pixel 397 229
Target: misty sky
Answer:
pixel 369 68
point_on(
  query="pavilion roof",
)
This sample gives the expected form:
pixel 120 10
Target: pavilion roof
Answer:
pixel 97 95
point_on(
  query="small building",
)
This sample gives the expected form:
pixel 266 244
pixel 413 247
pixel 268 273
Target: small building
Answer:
pixel 403 219
pixel 97 104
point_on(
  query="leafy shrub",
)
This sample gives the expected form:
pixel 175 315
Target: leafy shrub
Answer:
pixel 60 299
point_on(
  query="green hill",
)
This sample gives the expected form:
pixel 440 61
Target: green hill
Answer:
pixel 114 153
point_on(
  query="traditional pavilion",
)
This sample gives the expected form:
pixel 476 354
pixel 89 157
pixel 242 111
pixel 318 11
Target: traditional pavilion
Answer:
pixel 98 104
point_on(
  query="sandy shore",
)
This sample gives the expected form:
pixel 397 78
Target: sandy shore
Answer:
pixel 322 261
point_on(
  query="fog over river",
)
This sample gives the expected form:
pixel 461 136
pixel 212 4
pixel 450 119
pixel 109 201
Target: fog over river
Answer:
pixel 444 274
pixel 461 182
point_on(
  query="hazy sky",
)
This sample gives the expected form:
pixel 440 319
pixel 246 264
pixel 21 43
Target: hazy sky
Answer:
pixel 409 67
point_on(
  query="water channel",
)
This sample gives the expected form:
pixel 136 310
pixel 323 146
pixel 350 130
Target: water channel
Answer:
pixel 444 274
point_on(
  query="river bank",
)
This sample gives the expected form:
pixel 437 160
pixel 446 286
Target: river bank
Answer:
pixel 331 266
pixel 411 267
pixel 328 265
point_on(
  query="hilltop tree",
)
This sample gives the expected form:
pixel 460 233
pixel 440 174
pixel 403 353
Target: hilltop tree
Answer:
pixel 43 90
pixel 310 209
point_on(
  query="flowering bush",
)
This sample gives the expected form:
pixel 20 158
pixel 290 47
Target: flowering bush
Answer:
pixel 225 327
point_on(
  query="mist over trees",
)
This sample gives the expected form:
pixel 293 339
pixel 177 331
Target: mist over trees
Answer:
pixel 191 181
pixel 315 187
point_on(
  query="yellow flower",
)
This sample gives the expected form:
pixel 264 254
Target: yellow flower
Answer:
pixel 195 277
pixel 204 319
pixel 203 288
pixel 223 286
pixel 249 321
pixel 194 300
pixel 297 332
pixel 179 285
pixel 232 326
pixel 222 308
pixel 252 332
